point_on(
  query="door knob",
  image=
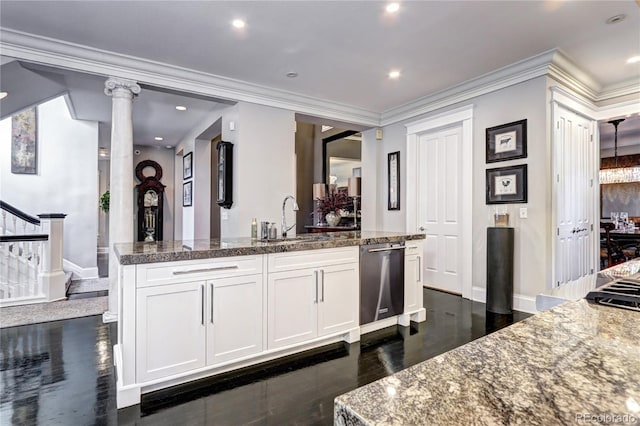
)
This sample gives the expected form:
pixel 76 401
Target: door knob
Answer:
pixel 421 228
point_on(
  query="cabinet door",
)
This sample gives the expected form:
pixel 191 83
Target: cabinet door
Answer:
pixel 292 307
pixel 338 309
pixel 234 318
pixel 171 330
pixel 412 286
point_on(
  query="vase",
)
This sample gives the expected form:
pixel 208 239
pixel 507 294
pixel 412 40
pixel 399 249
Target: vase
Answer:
pixel 332 218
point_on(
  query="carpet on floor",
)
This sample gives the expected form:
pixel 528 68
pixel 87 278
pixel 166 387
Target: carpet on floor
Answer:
pixel 13 316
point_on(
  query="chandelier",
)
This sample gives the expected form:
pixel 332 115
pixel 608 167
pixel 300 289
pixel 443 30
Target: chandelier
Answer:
pixel 619 174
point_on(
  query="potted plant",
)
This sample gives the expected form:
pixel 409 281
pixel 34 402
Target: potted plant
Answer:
pixel 330 206
pixel 104 202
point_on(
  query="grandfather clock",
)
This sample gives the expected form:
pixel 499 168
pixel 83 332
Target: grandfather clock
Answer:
pixel 150 202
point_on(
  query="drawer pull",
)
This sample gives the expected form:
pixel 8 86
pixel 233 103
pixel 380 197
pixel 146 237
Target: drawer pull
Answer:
pixel 197 271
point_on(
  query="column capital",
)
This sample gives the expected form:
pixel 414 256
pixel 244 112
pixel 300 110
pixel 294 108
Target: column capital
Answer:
pixel 120 87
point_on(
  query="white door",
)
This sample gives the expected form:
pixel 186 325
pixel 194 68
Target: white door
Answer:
pixel 575 167
pixel 234 326
pixel 338 307
pixel 412 277
pixel 171 325
pixel 439 213
pixel 292 306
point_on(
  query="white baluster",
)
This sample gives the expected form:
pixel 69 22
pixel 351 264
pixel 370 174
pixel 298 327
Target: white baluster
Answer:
pixel 4 256
pixel 4 222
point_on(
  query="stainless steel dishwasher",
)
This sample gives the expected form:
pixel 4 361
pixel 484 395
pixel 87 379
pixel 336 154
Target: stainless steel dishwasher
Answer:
pixel 381 281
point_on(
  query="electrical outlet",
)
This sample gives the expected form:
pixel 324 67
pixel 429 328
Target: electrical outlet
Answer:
pixel 523 213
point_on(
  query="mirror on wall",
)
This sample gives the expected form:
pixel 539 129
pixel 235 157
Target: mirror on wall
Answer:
pixel 342 157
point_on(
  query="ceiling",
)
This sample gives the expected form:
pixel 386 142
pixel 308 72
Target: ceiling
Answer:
pixel 342 51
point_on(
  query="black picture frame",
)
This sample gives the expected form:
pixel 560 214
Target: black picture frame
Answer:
pixel 393 180
pixel 187 194
pixel 507 141
pixel 507 185
pixel 187 166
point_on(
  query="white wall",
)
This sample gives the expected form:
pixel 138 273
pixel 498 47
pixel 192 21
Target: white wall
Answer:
pixel 165 158
pixel 202 189
pixel 185 229
pixel 67 179
pixel 263 167
pixel 525 100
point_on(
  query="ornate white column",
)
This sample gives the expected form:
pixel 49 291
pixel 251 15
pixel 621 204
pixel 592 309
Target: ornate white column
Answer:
pixel 121 181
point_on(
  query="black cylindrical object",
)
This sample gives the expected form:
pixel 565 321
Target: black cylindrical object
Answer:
pixel 500 270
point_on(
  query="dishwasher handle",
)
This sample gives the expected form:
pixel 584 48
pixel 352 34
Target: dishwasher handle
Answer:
pixel 385 249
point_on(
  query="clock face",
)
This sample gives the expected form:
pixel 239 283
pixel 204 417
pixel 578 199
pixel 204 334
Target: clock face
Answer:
pixel 150 199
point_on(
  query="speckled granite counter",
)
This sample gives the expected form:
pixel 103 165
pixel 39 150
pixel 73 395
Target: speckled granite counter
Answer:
pixel 574 360
pixel 167 251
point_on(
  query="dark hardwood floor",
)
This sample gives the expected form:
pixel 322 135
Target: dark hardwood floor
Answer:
pixel 61 373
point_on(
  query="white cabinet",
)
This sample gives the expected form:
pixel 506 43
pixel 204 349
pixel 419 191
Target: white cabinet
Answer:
pixel 292 307
pixel 234 318
pixel 186 321
pixel 413 277
pixel 171 330
pixel 338 306
pixel 305 303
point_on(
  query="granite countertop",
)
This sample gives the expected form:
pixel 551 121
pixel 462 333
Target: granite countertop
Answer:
pixel 167 251
pixel 557 367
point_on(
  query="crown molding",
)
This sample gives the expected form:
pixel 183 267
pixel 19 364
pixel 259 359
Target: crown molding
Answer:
pixel 48 51
pixel 552 63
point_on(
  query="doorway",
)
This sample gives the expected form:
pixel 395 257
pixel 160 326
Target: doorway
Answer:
pixel 439 199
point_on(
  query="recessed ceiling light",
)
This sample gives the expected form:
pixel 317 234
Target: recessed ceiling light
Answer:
pixel 292 74
pixel 238 23
pixel 394 74
pixel 3 95
pixel 181 108
pixel 393 7
pixel 615 19
pixel 633 60
pixel 158 138
pixel 169 147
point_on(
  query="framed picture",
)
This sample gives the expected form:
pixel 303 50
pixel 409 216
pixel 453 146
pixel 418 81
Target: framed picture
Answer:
pixel 393 160
pixel 187 169
pixel 187 191
pixel 24 142
pixel 507 185
pixel 507 142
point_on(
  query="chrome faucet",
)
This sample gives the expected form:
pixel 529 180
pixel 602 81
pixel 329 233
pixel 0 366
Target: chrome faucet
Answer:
pixel 284 220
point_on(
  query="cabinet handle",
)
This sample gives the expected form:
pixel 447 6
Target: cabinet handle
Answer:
pixel 211 303
pixel 202 299
pixel 419 268
pixel 322 278
pixel 315 276
pixel 195 271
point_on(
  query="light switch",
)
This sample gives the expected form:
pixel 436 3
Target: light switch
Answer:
pixel 523 213
pixel 224 215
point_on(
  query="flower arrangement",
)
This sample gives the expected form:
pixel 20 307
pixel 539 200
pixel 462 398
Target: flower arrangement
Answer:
pixel 333 201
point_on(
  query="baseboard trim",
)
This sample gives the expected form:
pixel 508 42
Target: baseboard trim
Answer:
pixel 520 302
pixel 79 273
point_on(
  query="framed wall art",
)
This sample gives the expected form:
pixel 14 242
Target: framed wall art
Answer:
pixel 187 166
pixel 187 194
pixel 506 185
pixel 393 161
pixel 507 141
pixel 24 143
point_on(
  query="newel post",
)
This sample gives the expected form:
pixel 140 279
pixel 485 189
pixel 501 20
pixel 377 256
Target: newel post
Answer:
pixel 51 274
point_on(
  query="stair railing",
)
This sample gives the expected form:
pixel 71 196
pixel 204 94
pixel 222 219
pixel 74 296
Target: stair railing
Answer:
pixel 30 257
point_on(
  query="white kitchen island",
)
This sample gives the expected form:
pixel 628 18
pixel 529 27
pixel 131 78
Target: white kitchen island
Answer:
pixel 189 310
